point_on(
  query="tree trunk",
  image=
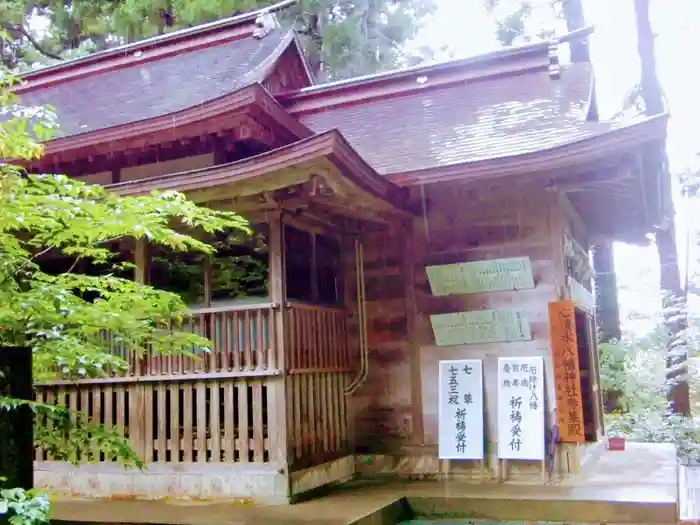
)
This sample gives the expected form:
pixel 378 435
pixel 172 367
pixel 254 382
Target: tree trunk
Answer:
pixel 670 281
pixel 315 51
pixel 607 310
pixel 675 317
pixel 575 19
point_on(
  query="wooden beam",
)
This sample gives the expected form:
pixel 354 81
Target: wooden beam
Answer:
pixel 572 212
pixel 587 180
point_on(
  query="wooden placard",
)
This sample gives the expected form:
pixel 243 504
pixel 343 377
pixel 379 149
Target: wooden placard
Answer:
pixel 567 375
pixel 481 276
pixel 461 410
pixel 579 295
pixel 483 326
pixel 521 408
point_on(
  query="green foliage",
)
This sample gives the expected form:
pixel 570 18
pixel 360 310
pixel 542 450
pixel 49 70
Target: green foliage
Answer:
pixel 70 437
pixel 523 21
pixel 26 507
pixel 346 37
pixel 613 366
pixel 636 369
pixel 63 317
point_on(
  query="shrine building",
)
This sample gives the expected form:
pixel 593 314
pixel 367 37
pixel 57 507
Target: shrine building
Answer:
pixel 416 300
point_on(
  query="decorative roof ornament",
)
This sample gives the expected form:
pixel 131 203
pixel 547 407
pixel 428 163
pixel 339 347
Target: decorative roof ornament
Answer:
pixel 265 23
pixel 554 64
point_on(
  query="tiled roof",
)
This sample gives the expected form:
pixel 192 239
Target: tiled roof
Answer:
pixel 469 121
pixel 158 87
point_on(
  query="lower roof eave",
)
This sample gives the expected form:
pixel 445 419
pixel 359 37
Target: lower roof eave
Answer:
pixel 250 100
pixel 280 168
pixel 575 153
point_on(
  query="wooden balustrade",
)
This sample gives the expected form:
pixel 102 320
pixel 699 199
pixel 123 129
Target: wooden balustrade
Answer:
pixel 317 359
pixel 243 340
pixel 317 418
pixel 316 339
pixel 194 421
pixel 219 406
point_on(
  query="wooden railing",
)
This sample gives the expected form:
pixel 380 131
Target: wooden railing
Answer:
pixel 317 360
pixel 316 339
pixel 225 405
pixel 193 421
pixel 243 340
pixel 317 418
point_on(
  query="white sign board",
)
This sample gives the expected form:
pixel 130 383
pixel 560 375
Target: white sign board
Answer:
pixel 521 410
pixel 461 409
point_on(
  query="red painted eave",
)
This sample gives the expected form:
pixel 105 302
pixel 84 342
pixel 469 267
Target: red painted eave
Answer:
pixel 329 145
pixel 245 100
pixel 163 123
pixel 588 150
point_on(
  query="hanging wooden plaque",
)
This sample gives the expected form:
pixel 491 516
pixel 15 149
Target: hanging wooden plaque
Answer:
pixel 481 276
pixel 567 374
pixel 483 326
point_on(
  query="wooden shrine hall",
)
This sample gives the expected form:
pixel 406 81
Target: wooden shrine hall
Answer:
pixel 403 222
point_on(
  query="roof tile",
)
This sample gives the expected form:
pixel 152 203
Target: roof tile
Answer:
pixel 464 122
pixel 157 87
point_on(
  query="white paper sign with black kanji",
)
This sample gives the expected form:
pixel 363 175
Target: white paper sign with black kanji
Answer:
pixel 521 409
pixel 461 409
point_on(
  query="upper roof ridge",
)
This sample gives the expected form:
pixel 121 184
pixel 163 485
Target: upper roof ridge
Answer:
pixel 547 49
pixel 170 38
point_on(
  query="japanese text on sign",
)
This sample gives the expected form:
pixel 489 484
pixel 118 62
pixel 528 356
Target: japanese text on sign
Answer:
pixel 521 408
pixel 482 326
pixel 461 410
pixel 567 375
pixel 481 276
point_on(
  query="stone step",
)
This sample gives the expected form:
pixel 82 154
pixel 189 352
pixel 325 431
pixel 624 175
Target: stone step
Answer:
pixel 538 510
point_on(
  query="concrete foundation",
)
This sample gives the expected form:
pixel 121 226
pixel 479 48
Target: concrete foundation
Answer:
pixel 639 485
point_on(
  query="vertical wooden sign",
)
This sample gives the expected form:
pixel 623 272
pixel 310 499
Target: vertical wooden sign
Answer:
pixel 567 375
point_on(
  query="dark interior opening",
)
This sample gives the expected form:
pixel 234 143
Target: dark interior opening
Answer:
pixel 583 343
pixel 313 267
pixel 238 269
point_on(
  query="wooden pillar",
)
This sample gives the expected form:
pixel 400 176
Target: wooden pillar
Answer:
pixel 412 326
pixel 141 260
pixel 314 268
pixel 208 274
pixel 276 265
pixel 277 389
pixel 137 394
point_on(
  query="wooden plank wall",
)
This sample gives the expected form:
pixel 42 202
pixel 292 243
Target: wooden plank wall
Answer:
pixel 396 411
pixel 382 412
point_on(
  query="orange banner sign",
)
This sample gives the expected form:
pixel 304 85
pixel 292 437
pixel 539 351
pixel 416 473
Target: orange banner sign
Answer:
pixel 567 376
